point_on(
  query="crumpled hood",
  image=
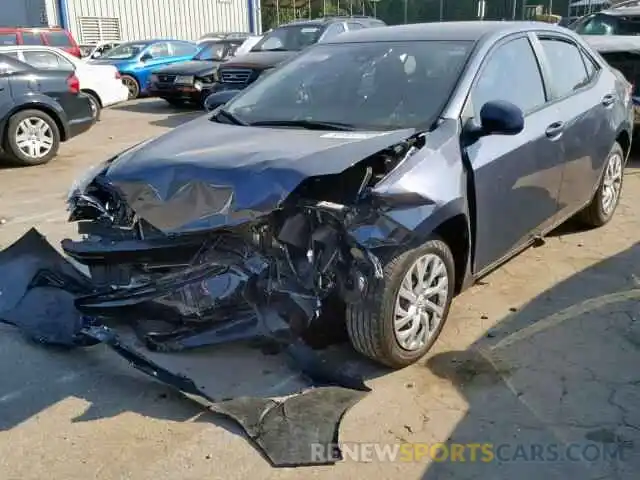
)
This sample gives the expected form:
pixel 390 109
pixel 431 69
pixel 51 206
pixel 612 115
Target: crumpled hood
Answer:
pixel 204 175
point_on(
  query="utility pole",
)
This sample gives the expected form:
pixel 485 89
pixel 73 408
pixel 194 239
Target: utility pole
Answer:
pixel 406 11
pixel 442 9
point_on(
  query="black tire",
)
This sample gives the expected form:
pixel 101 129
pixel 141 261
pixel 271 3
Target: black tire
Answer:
pixel 133 86
pixel 96 106
pixel 594 215
pixel 370 323
pixel 18 156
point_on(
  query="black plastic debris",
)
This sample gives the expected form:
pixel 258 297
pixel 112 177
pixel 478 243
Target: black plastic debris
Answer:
pixel 39 292
pixel 287 430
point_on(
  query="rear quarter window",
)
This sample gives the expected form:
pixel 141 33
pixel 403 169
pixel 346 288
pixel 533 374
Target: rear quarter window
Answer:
pixel 8 39
pixel 58 39
pixel 31 38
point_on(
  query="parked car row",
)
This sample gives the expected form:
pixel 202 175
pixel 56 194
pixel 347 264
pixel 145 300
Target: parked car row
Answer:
pixel 39 109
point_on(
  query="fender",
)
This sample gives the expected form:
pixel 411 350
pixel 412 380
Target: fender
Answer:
pixel 38 101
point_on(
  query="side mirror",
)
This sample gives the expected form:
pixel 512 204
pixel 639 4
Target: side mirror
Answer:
pixel 501 117
pixel 216 99
pixel 146 57
pixel 96 55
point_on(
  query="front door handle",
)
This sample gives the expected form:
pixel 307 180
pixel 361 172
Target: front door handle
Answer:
pixel 608 100
pixel 554 130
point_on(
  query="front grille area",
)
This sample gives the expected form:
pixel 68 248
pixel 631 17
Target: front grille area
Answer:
pixel 236 76
pixel 163 78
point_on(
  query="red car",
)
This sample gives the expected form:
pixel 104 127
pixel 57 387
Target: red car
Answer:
pixel 51 36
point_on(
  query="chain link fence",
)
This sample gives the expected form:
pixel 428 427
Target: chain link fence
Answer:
pixel 394 12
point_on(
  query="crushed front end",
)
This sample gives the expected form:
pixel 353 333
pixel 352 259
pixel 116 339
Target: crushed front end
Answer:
pixel 267 274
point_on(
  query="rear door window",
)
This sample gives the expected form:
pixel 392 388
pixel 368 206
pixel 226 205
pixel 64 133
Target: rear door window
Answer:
pixel 58 39
pixel 566 65
pixel 47 60
pixel 32 38
pixel 590 64
pixel 8 39
pixel 333 30
pixel 511 73
pixel 183 49
pixel 159 50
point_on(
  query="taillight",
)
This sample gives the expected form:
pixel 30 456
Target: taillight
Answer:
pixel 73 83
pixel 118 76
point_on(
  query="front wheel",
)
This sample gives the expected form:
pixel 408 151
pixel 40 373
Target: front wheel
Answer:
pixel 403 313
pixel 132 84
pixel 607 196
pixel 32 138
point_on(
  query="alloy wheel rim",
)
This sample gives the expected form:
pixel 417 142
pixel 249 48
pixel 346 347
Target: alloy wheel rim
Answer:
pixel 94 107
pixel 34 137
pixel 131 85
pixel 420 302
pixel 612 184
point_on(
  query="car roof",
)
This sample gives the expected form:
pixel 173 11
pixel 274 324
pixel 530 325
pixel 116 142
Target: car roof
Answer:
pixel 333 19
pixel 28 47
pixel 26 29
pixel 622 11
pixel 213 41
pixel 461 31
pixel 155 40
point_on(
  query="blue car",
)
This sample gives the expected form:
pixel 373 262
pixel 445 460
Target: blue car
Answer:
pixel 136 60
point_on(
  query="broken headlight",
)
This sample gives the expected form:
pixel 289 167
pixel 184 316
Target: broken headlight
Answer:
pixel 81 183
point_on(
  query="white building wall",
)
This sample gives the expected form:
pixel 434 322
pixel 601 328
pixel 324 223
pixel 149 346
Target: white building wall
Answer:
pixel 146 19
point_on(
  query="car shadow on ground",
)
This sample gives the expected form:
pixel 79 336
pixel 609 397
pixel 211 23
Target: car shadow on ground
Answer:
pixel 35 378
pixel 553 390
pixel 171 116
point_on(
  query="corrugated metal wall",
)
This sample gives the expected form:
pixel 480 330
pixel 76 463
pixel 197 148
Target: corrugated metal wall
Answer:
pixel 182 19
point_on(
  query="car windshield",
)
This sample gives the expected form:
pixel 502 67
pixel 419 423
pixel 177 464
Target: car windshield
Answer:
pixel 291 38
pixel 125 51
pixel 211 51
pixel 365 86
pixel 603 24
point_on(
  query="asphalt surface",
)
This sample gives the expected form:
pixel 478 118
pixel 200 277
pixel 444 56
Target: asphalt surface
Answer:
pixel 538 365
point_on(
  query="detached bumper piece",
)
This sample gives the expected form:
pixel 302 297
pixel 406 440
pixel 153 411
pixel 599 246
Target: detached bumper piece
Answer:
pixel 53 303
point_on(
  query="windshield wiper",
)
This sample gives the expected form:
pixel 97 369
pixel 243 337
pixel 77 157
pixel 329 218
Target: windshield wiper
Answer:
pixel 277 49
pixel 308 124
pixel 230 116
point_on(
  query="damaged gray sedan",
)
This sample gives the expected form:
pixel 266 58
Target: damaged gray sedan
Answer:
pixel 382 172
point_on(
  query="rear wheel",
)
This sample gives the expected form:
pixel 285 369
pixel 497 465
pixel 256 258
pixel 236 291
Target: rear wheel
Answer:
pixel 607 196
pixel 132 84
pixel 403 313
pixel 96 107
pixel 32 138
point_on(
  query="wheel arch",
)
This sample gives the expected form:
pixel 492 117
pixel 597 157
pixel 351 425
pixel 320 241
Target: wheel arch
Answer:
pixel 624 139
pixel 454 231
pixel 64 134
pixel 94 93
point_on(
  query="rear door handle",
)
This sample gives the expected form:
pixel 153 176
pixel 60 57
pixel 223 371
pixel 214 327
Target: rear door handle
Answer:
pixel 608 100
pixel 554 130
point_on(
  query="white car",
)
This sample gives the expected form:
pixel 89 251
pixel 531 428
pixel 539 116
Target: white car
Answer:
pixel 98 50
pixel 101 82
pixel 247 45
